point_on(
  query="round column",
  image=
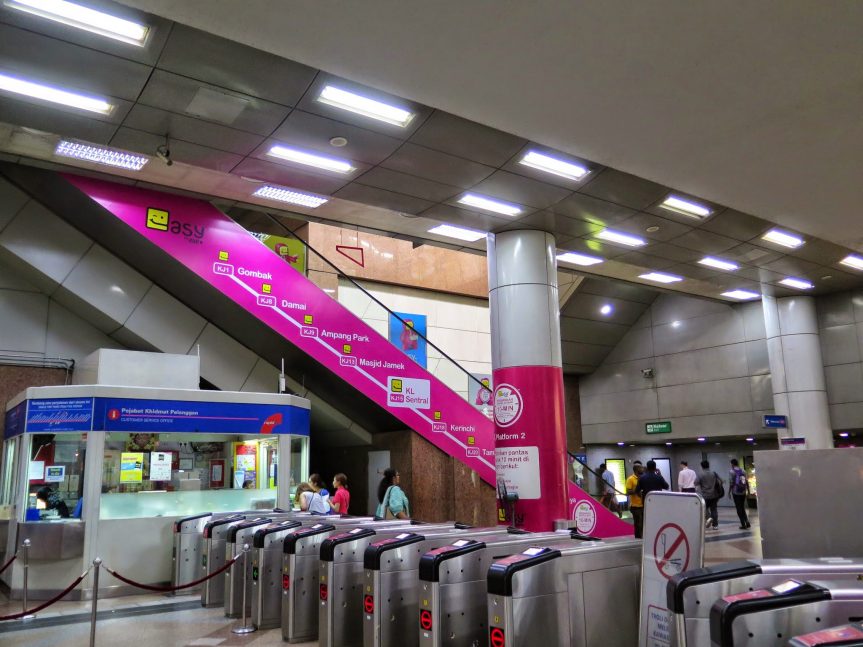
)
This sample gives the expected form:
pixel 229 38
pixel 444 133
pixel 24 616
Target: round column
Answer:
pixel 530 427
pixel 797 370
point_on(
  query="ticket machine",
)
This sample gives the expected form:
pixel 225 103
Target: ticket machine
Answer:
pixel 580 595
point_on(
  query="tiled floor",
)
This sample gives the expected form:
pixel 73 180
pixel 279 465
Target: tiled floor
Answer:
pixel 157 624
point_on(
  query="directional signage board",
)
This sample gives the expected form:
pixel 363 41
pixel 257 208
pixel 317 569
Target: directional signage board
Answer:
pixel 775 422
pixel 673 543
pixel 662 427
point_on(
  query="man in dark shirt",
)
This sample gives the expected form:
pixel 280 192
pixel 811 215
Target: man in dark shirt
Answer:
pixel 650 481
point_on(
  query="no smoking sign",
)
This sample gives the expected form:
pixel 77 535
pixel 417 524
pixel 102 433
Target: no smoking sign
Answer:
pixel 671 550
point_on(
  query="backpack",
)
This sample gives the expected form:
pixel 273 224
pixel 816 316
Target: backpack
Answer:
pixel 739 481
pixel 320 504
pixel 718 487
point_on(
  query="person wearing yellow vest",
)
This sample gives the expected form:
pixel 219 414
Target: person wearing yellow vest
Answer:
pixel 636 502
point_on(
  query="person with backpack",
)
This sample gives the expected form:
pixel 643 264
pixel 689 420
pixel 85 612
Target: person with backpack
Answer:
pixel 739 490
pixel 711 488
pixel 393 501
pixel 317 499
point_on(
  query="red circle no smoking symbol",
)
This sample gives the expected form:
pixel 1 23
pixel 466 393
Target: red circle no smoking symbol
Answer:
pixel 671 550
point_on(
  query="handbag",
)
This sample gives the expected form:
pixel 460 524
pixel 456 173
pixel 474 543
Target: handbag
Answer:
pixel 720 489
pixel 388 514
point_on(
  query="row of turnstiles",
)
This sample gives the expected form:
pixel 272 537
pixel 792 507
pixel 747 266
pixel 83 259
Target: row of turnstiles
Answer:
pixel 356 581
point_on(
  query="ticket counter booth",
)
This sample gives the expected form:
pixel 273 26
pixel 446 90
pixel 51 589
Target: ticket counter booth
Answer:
pixel 103 471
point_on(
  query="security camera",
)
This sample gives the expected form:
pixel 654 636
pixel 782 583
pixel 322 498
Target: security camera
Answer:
pixel 164 154
pixel 647 373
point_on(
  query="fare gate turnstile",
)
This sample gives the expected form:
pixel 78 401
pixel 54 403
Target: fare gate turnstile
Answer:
pixel 187 550
pixel 340 604
pixel 770 617
pixel 391 583
pixel 300 556
pixel 453 606
pixel 562 596
pixel 238 535
pixel 692 593
pixel 847 635
pixel 213 558
pixel 267 572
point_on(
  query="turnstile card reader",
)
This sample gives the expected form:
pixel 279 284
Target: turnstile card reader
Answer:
pixel 213 558
pixel 300 557
pixel 769 617
pixel 692 593
pixel 266 584
pixel 566 595
pixel 847 635
pixel 235 577
pixel 187 550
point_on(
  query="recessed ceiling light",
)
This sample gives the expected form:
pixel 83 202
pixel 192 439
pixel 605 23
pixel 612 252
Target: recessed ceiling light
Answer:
pixel 686 207
pixel 459 233
pixel 853 261
pixel 843 434
pixel 652 229
pixel 668 444
pixel 702 439
pixel 100 155
pixel 487 204
pixel 719 264
pixel 606 309
pixel 364 106
pixel 750 439
pixel 578 259
pixel 620 444
pixel 800 284
pixel 660 277
pixel 290 196
pixel 783 238
pixel 84 18
pixel 311 159
pixel 742 295
pixel 339 142
pixel 620 238
pixel 55 95
pixel 554 165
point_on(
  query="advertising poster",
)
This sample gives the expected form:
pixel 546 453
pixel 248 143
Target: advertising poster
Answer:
pixel 479 394
pixel 36 472
pixel 245 463
pixel 55 473
pixel 131 467
pixel 617 467
pixel 403 335
pixel 291 250
pixel 160 466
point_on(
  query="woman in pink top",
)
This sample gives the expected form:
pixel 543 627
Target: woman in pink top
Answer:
pixel 342 498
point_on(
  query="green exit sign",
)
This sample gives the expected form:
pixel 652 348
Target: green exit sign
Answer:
pixel 658 427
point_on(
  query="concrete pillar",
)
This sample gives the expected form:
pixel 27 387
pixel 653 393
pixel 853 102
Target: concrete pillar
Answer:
pixel 799 388
pixel 530 426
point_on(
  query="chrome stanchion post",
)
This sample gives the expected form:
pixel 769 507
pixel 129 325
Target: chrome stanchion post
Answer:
pixel 97 563
pixel 246 628
pixel 26 547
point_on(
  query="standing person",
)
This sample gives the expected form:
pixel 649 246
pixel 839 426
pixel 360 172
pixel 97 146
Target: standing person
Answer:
pixel 636 503
pixel 318 500
pixel 342 498
pixel 738 487
pixel 300 501
pixel 650 481
pixel 608 498
pixel 392 498
pixel 686 478
pixel 709 484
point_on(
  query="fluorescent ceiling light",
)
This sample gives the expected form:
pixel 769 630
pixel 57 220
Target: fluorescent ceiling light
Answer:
pixel 554 166
pixel 459 233
pixel 291 197
pixel 578 259
pixel 686 207
pixel 853 261
pixel 310 159
pixel 742 295
pixel 99 155
pixel 620 239
pixel 701 439
pixel 782 238
pixel 749 439
pixel 361 105
pixel 54 95
pixel 487 204
pixel 843 434
pixel 606 309
pixel 81 17
pixel 659 277
pixel 719 264
pixel 800 284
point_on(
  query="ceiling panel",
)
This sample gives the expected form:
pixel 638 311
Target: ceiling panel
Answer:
pixel 558 224
pixel 175 93
pixel 820 251
pixel 624 189
pixel 797 267
pixel 181 151
pixel 521 190
pixel 759 274
pixel 468 139
pixel 587 306
pixel 736 224
pixel 382 198
pixel 704 241
pixel 70 123
pixel 465 218
pixel 438 167
pixel 751 255
pixel 693 271
pixel 305 130
pixel 408 184
pixel 293 178
pixel 675 253
pixel 592 210
pixel 596 332
pixel 237 67
pixel 48 60
pixel 579 353
pixel 641 222
pixel 649 261
pixel 617 290
pixel 587 245
pixel 197 131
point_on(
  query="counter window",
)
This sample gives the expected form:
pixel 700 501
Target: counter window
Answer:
pixel 55 483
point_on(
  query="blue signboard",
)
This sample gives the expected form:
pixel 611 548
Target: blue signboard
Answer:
pixel 14 423
pixel 60 414
pixel 775 422
pixel 403 335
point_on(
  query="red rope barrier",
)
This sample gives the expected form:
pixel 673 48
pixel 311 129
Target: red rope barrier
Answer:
pixel 168 589
pixel 9 563
pixel 62 594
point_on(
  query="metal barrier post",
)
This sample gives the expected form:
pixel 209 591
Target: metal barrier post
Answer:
pixel 26 547
pixel 246 628
pixel 97 563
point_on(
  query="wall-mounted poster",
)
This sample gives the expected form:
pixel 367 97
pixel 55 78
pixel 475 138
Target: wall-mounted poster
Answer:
pixel 55 473
pixel 131 467
pixel 291 250
pixel 407 333
pixel 160 466
pixel 479 393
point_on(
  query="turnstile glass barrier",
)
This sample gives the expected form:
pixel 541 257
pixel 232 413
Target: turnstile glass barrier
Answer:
pixel 391 583
pixel 847 635
pixel 187 550
pixel 214 540
pixel 340 604
pixel 266 585
pixel 692 593
pixel 770 617
pixel 453 607
pixel 580 595
pixel 239 535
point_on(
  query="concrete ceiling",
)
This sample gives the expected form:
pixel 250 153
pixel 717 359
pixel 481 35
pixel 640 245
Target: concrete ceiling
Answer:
pixel 754 105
